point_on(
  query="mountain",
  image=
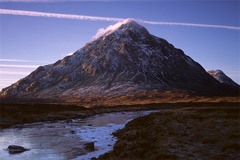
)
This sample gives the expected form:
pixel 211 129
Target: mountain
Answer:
pixel 125 60
pixel 223 78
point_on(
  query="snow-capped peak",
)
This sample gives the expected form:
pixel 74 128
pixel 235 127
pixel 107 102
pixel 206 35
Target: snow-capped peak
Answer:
pixel 128 23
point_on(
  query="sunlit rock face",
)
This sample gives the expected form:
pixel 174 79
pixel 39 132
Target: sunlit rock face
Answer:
pixel 124 59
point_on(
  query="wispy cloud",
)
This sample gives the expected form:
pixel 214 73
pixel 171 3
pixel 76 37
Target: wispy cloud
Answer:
pixel 109 29
pixel 69 54
pixel 95 18
pixel 19 66
pixel 20 60
pixel 14 73
pixel 6 82
pixel 8 79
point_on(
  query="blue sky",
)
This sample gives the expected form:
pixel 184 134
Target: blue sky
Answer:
pixel 27 41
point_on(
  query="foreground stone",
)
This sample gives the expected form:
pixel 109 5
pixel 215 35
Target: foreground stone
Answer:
pixel 72 132
pixel 14 149
pixel 89 146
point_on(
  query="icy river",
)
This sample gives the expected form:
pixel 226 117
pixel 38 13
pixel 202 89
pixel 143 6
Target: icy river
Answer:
pixel 64 140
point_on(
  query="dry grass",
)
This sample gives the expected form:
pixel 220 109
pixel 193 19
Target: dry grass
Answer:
pixel 132 98
pixel 186 133
pixel 151 97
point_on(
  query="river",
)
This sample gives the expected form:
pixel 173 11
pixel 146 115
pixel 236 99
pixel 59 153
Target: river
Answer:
pixel 64 140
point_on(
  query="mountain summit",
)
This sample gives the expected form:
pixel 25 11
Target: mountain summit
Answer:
pixel 128 24
pixel 123 60
pixel 223 78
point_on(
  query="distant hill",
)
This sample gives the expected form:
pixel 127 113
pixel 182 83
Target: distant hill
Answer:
pixel 223 78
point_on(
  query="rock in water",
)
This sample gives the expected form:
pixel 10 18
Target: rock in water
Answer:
pixel 72 132
pixel 14 149
pixel 89 146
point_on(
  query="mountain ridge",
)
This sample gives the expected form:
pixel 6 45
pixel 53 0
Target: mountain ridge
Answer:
pixel 124 60
pixel 223 78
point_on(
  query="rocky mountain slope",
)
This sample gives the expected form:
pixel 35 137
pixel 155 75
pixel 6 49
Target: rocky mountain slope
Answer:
pixel 223 78
pixel 125 60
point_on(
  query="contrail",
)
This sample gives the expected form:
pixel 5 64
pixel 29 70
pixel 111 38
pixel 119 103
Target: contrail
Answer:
pixel 56 15
pixel 55 1
pixel 94 18
pixel 33 0
pixel 190 24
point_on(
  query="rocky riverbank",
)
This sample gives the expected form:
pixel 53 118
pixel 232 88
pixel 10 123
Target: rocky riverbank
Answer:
pixel 194 132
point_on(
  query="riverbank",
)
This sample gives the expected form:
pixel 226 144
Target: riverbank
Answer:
pixel 206 132
pixel 14 114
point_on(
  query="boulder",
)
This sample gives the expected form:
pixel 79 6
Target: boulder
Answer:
pixel 13 149
pixel 89 146
pixel 72 132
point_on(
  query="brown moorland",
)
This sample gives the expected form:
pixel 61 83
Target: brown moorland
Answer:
pixel 200 131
